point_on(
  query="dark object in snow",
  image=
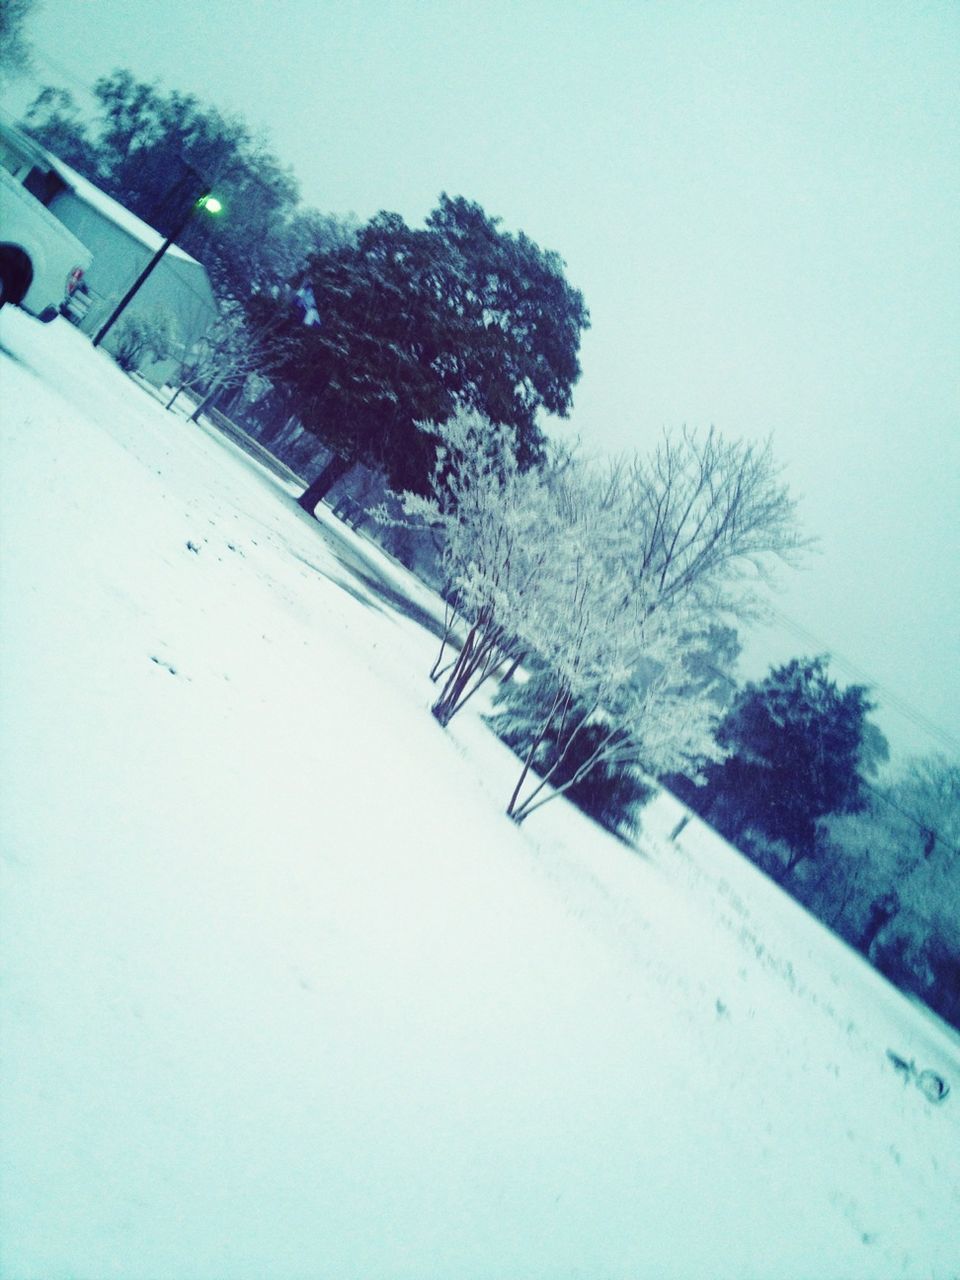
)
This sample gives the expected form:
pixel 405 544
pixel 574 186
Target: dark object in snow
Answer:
pixel 166 666
pixel 194 548
pixel 933 1086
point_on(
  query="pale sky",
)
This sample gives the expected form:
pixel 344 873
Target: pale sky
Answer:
pixel 759 201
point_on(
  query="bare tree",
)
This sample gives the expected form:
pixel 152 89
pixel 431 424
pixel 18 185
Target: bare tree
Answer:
pixel 225 357
pixel 711 517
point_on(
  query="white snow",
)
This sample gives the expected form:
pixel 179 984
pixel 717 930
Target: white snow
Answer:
pixel 286 996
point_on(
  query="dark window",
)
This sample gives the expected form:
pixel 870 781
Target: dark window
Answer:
pixel 43 183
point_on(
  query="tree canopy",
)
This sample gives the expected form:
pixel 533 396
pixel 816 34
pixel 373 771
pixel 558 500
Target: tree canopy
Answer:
pixel 798 745
pixel 414 323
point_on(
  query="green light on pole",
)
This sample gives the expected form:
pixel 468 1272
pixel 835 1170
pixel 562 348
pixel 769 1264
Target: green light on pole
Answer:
pixel 210 204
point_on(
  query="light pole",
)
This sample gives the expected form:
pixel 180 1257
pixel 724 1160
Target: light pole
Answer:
pixel 207 201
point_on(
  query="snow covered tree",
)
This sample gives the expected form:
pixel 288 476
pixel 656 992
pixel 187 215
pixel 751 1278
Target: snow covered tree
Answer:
pixel 606 790
pixel 606 780
pixel 498 527
pixel 890 880
pixel 659 551
pixel 608 591
pixel 614 648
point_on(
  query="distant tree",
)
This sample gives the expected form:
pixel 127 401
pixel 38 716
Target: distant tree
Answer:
pixel 890 880
pixel 795 744
pixel 14 46
pixel 416 323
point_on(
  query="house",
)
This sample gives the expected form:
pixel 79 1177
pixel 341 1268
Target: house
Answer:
pixel 177 292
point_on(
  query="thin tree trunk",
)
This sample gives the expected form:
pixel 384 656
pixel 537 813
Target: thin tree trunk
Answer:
pixel 544 730
pixel 512 670
pixel 518 812
pixel 477 660
pixel 170 403
pixel 449 619
pixel 445 705
pixel 335 470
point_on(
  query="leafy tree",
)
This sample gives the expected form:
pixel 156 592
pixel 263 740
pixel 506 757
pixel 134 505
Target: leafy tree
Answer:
pixel 417 322
pixel 57 123
pixel 795 744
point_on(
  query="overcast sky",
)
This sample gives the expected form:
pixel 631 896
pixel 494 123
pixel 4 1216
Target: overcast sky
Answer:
pixel 759 202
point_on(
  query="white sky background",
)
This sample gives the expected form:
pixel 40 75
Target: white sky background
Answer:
pixel 759 202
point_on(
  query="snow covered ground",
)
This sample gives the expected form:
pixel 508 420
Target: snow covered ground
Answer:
pixel 286 996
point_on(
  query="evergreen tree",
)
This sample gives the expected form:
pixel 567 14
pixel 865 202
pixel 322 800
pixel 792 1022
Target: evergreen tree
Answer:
pixel 795 745
pixel 414 323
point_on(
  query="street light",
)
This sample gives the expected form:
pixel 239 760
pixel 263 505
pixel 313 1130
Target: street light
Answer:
pixel 207 201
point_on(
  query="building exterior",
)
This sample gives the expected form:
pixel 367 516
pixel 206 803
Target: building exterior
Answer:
pixel 177 294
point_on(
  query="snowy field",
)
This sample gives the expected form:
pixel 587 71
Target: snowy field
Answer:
pixel 284 994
